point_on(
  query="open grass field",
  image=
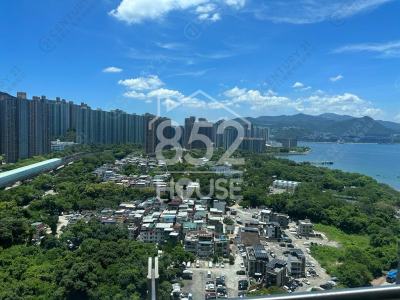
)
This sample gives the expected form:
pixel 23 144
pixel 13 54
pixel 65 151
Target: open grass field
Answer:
pixel 329 257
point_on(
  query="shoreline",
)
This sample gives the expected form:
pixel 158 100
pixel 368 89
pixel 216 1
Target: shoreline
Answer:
pixel 391 181
pixel 349 143
pixel 292 153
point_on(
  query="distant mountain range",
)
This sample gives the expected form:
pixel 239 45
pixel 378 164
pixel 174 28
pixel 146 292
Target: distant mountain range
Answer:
pixel 330 127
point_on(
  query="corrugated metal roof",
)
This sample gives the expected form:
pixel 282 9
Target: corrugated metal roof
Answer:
pixel 26 168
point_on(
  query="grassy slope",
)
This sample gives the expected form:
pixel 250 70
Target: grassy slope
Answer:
pixel 328 256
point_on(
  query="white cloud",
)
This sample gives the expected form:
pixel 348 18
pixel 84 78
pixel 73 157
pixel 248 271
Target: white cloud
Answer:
pixel 150 82
pixel 215 17
pixel 347 103
pixel 137 11
pixel 235 3
pixel 397 118
pixel 135 95
pixel 235 92
pixel 314 11
pixel 207 12
pixel 210 17
pixel 205 9
pixel 300 86
pixel 388 49
pixel 317 103
pixel 297 85
pixel 112 70
pixel 150 88
pixel 336 78
pixel 192 73
pixel 171 46
pixel 255 98
pixel 165 94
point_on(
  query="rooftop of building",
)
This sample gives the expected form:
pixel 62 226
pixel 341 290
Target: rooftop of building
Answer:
pixel 305 222
pixel 249 229
pixel 189 226
pixel 257 252
pixel 275 264
pixel 297 252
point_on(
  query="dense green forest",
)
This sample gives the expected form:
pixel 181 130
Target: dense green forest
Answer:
pixel 105 265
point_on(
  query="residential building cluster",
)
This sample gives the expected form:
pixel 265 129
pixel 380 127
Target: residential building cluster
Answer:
pixel 154 220
pixel 143 165
pixel 196 222
pixel 268 253
pixel 27 127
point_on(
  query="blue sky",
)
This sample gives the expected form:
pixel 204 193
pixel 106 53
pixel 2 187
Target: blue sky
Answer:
pixel 209 58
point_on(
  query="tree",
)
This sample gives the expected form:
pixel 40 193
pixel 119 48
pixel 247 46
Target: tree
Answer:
pixel 50 242
pixel 228 221
pixel 354 274
pixel 381 239
pixel 231 259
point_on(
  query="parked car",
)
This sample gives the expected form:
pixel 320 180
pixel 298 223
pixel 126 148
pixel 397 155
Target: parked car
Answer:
pixel 243 285
pixel 210 296
pixel 220 281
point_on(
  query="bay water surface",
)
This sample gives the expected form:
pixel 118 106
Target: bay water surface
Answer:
pixel 380 161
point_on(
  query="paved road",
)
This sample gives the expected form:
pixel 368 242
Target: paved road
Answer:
pixel 196 286
pixel 322 277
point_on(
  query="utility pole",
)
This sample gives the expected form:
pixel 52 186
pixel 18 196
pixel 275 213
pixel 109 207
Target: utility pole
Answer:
pixel 153 278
